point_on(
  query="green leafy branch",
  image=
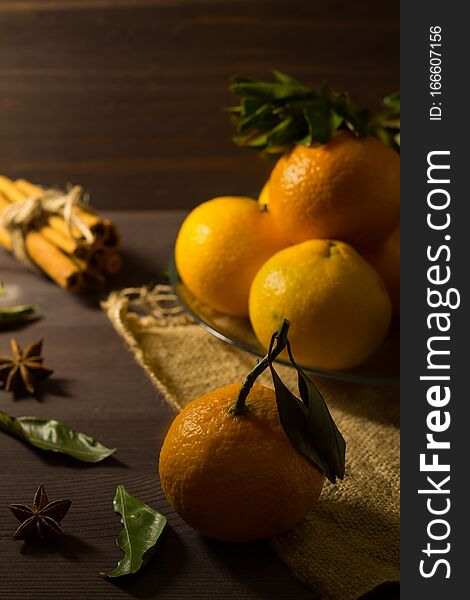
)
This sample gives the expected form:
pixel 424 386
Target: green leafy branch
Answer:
pixel 274 116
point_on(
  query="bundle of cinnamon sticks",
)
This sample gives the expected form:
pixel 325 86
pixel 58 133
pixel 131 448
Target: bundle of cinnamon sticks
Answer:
pixel 58 249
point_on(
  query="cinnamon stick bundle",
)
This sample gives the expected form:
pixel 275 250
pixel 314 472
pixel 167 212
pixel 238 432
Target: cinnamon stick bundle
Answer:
pixel 76 254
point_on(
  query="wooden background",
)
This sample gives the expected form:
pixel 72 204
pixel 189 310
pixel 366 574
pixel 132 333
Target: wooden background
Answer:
pixel 126 96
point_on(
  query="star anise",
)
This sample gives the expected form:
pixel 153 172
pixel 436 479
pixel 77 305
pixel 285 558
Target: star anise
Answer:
pixel 42 520
pixel 24 369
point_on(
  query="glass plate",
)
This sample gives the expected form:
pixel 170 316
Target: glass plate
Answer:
pixel 382 369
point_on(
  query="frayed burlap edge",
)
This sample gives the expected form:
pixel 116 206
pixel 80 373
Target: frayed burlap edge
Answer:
pixel 116 306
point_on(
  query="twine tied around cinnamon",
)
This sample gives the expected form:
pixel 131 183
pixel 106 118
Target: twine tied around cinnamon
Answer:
pixel 21 217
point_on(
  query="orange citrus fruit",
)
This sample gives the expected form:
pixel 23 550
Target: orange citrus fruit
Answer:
pixel 337 304
pixel 346 189
pixel 236 478
pixel 386 261
pixel 263 198
pixel 220 247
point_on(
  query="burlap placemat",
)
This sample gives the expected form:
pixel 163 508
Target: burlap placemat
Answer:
pixel 349 542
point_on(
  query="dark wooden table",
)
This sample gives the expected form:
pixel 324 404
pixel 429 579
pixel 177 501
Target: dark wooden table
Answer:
pixel 98 388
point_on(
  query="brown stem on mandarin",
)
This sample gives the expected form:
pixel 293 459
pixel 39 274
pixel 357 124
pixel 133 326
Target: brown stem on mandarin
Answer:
pixel 278 343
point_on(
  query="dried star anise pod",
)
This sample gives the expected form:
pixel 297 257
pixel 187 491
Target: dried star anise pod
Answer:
pixel 24 369
pixel 42 520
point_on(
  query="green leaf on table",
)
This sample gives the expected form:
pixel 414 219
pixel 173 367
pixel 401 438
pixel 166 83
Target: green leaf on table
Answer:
pixel 55 436
pixel 10 315
pixel 143 527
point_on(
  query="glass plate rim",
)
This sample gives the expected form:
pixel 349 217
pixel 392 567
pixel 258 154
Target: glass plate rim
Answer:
pixel 345 376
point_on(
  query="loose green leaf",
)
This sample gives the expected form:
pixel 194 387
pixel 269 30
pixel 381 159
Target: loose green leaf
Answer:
pixel 14 314
pixel 10 315
pixel 55 436
pixel 143 527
